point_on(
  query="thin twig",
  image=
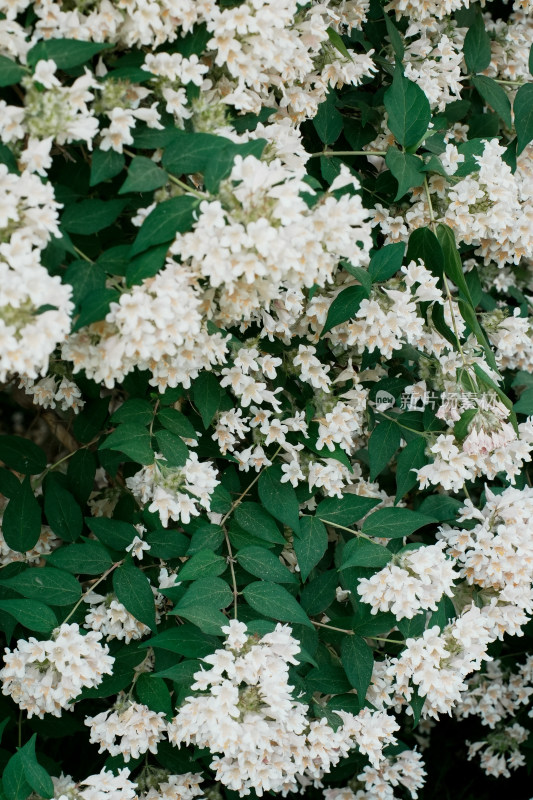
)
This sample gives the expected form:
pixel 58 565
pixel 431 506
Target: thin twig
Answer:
pixel 93 586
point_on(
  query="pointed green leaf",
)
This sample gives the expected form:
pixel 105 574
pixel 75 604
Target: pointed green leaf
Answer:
pixel 253 519
pixel 406 168
pixel 143 176
pixel 133 590
pixel 384 441
pixel 131 439
pixel 394 523
pixel 21 524
pixel 494 95
pixel 310 545
pixel 62 511
pixel 202 564
pixel 279 498
pixel 272 600
pixel 164 222
pixel 408 110
pixel 32 614
pixel 362 553
pixel 263 564
pixel 523 116
pixel 386 262
pixel 345 510
pixel 358 662
pixel 344 307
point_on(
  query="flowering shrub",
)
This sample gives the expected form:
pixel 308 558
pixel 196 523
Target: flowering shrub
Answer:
pixel 266 364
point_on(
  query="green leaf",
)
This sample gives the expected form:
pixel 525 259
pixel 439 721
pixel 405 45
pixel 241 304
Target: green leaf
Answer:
pixel 10 71
pixel 185 670
pixel 460 429
pixel 395 37
pixel 408 110
pixel 345 511
pixel 272 600
pixel 89 558
pixel 202 564
pixel 143 176
pixel 362 553
pixel 112 532
pixel 176 422
pixel 191 152
pixel 253 519
pixel 14 782
pixel 66 53
pixel 21 525
pixel 166 543
pixel 384 441
pixel 146 264
pixel 105 164
pixel 424 244
pixel 476 46
pixel 469 316
pixel 36 775
pixel 263 564
pixel 412 457
pixel 165 221
pixel 320 592
pixel 361 274
pixel 523 116
pixel 207 396
pixel 131 439
pixel 406 168
pixel 417 704
pixel 278 498
pixel 173 448
pixel 337 42
pixel 344 307
pixel 206 536
pixel 358 662
pixel 525 403
pixel 386 262
pixel 394 523
pixel 91 215
pixel 31 614
pixel 9 483
pixel 413 627
pixel 328 120
pixel 441 507
pixel 84 278
pixel 186 640
pixel 212 592
pixel 494 96
pixel 22 455
pixel 153 692
pixel 452 260
pixel 58 587
pixel 135 410
pixel 94 307
pixel 201 603
pixel 62 511
pixel 310 545
pixel 133 590
pixel 205 152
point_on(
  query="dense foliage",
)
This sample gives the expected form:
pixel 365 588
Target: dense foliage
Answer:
pixel 266 399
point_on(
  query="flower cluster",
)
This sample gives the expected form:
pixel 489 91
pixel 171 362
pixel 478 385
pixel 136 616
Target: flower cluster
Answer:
pixel 128 728
pixel 44 677
pixel 413 581
pixel 248 715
